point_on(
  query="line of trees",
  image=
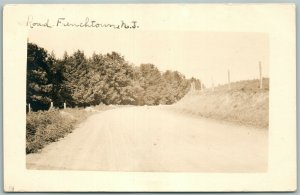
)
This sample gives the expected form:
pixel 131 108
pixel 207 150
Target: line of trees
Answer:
pixel 109 79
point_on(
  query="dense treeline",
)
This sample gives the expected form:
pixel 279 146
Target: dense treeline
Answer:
pixel 108 79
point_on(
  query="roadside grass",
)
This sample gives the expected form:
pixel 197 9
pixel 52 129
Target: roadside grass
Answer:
pixel 44 127
pixel 244 103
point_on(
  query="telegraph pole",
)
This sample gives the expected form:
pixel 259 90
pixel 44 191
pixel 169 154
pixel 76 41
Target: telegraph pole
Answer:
pixel 260 76
pixel 228 75
pixel 212 84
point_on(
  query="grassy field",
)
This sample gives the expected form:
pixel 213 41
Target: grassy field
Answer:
pixel 44 127
pixel 244 103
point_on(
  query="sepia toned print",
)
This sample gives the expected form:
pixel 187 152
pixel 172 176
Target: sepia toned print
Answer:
pixel 149 98
pixel 194 102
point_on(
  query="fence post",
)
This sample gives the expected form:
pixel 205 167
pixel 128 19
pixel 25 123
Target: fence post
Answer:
pixel 51 106
pixel 260 76
pixel 65 105
pixel 29 109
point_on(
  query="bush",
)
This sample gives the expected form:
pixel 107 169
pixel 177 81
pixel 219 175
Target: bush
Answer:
pixel 43 127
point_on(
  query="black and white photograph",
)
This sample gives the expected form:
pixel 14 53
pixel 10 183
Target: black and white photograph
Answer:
pixel 111 90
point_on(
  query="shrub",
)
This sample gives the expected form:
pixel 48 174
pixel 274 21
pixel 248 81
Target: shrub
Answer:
pixel 43 127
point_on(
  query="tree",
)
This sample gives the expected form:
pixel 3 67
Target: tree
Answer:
pixel 150 81
pixel 39 85
pixel 57 79
pixel 119 79
pixel 176 86
pixel 109 79
pixel 197 83
pixel 75 72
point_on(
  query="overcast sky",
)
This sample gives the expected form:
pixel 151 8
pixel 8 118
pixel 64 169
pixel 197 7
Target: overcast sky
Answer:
pixel 204 55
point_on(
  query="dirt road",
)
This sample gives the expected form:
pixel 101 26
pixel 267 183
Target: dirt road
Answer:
pixel 155 139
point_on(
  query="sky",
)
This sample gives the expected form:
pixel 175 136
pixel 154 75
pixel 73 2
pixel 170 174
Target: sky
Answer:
pixel 204 55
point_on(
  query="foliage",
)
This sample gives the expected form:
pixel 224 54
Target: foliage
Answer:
pixel 108 79
pixel 43 127
pixel 39 85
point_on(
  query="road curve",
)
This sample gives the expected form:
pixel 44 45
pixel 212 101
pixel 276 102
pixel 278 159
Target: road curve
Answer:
pixel 155 139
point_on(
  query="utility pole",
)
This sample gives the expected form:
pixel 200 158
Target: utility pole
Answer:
pixel 228 74
pixel 260 76
pixel 212 84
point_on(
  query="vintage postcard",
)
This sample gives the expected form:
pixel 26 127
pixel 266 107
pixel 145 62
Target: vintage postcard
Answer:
pixel 149 97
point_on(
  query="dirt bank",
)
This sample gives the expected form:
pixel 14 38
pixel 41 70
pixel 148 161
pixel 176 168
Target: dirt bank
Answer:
pixel 244 104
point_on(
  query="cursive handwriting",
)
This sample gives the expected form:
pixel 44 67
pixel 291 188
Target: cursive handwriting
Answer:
pixel 31 23
pixel 86 23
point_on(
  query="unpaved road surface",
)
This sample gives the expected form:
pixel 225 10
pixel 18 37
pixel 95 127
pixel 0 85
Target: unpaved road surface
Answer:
pixel 155 139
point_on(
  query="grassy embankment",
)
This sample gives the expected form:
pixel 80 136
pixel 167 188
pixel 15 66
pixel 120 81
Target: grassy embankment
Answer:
pixel 44 127
pixel 244 103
